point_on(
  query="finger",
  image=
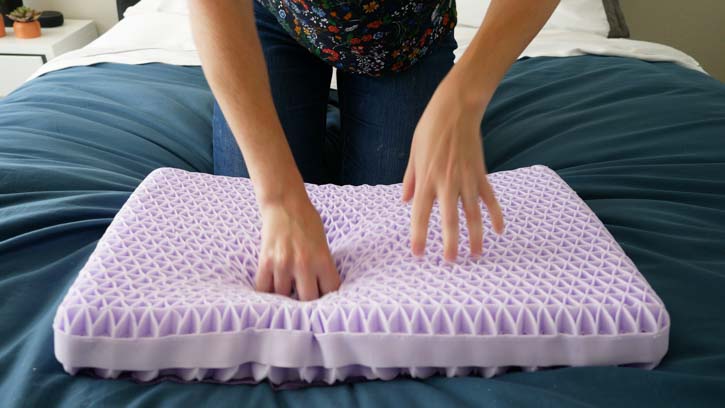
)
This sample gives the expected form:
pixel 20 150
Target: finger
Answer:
pixel 282 273
pixel 408 182
pixel 420 214
pixel 329 278
pixel 282 283
pixel 305 280
pixel 474 222
pixel 264 279
pixel 494 209
pixel 448 207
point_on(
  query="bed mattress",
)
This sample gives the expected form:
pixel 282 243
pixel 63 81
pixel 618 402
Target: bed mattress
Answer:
pixel 640 143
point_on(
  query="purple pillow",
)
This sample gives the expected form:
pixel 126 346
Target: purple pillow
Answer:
pixel 169 290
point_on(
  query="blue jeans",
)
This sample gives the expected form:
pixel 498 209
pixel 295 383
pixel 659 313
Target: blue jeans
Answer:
pixel 378 114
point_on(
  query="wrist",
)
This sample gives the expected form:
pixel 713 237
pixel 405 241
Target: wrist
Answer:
pixel 473 85
pixel 272 169
pixel 281 190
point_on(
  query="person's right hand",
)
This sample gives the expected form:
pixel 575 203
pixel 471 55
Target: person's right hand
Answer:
pixel 294 251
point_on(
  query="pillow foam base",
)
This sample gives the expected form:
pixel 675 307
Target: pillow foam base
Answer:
pixel 169 290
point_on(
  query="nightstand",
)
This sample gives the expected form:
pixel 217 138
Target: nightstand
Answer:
pixel 20 58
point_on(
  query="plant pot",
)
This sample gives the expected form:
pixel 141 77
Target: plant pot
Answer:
pixel 2 28
pixel 27 30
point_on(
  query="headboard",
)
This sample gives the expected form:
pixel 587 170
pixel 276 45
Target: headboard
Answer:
pixel 122 5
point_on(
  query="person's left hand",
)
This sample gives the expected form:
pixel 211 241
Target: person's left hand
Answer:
pixel 447 163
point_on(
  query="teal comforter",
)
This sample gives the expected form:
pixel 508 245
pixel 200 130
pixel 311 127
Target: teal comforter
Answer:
pixel 642 143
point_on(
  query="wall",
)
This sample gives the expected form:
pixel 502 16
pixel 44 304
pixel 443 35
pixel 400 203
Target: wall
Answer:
pixel 695 27
pixel 103 12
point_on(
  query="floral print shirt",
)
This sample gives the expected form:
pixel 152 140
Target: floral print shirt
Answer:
pixel 369 37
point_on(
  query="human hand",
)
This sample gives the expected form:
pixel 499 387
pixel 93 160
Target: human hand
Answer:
pixel 447 163
pixel 294 251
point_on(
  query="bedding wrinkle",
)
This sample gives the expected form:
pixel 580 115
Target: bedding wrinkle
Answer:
pixel 107 124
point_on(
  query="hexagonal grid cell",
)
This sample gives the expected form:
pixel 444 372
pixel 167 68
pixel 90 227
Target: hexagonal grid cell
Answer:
pixel 169 290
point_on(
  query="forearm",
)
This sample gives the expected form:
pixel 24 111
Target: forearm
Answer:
pixel 507 29
pixel 231 55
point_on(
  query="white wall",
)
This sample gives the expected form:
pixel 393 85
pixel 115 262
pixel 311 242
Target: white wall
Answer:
pixel 103 12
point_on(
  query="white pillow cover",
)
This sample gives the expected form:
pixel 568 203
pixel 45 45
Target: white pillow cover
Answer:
pixel 586 16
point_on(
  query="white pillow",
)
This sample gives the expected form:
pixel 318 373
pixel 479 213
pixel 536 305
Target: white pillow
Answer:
pixel 174 6
pixel 161 6
pixel 142 7
pixel 586 16
pixel 471 12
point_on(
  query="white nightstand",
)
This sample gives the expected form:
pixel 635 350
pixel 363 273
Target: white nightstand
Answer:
pixel 20 58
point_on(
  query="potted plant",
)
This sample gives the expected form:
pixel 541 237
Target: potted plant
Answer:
pixel 26 24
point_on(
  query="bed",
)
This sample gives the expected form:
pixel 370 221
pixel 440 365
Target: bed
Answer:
pixel 643 143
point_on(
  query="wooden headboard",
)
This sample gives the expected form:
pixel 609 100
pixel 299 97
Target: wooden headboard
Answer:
pixel 122 5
